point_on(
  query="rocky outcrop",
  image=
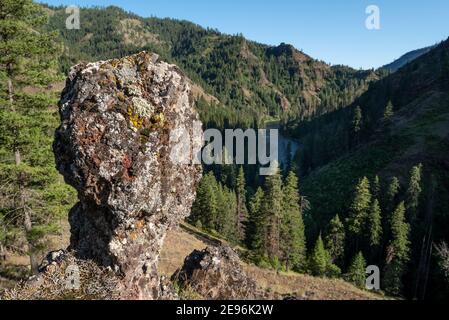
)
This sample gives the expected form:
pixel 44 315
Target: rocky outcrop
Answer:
pixel 127 141
pixel 62 276
pixel 215 273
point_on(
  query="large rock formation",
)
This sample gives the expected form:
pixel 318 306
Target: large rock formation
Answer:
pixel 126 143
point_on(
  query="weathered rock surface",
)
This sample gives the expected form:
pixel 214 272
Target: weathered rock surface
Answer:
pixel 125 124
pixel 215 273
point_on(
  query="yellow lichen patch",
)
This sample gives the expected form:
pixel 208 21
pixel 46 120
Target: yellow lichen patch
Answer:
pixel 135 120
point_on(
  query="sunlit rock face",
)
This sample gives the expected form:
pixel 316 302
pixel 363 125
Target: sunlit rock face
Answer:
pixel 127 142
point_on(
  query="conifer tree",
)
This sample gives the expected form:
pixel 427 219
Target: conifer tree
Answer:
pixel 242 211
pixel 357 121
pixel 230 208
pixel 28 179
pixel 375 224
pixel 413 192
pixel 400 229
pixel 392 279
pixel 319 259
pixel 205 207
pixel 359 208
pixel 226 213
pixel 389 111
pixel 335 239
pixel 292 237
pixel 256 225
pixel 397 252
pixel 357 271
pixel 222 210
pixel 272 213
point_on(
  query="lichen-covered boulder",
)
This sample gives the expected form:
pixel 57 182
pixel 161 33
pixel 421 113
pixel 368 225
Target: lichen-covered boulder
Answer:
pixel 125 125
pixel 216 273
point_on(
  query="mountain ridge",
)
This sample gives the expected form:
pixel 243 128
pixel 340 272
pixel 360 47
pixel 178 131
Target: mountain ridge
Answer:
pixel 406 58
pixel 251 81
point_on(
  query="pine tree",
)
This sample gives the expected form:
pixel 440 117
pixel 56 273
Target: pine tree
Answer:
pixel 359 208
pixel 391 194
pixel 292 237
pixel 397 252
pixel 392 279
pixel 272 213
pixel 357 271
pixel 205 207
pixel 335 239
pixel 413 192
pixel 226 213
pixel 389 111
pixel 256 226
pixel 33 193
pixel 230 209
pixel 319 259
pixel 400 229
pixel 357 120
pixel 375 224
pixel 242 212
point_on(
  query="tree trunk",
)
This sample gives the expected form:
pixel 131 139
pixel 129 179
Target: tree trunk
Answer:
pixel 10 86
pixel 17 157
pixel 422 273
pixel 34 260
pixel 10 92
pixel 2 254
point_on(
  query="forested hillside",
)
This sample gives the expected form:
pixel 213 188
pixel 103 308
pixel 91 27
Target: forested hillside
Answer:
pixel 245 82
pixel 389 152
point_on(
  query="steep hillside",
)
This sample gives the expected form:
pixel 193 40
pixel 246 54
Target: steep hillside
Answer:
pixel 249 82
pixel 361 141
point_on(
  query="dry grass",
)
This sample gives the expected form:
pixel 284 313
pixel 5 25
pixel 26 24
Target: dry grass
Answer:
pixel 307 287
pixel 180 243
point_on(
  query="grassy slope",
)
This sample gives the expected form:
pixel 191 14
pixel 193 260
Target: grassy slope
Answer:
pixel 180 243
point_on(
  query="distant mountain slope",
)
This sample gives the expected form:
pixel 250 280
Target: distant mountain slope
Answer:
pixel 406 58
pixel 252 82
pixel 420 94
pixel 340 149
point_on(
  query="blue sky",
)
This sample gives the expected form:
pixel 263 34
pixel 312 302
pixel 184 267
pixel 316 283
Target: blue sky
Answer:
pixel 330 30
